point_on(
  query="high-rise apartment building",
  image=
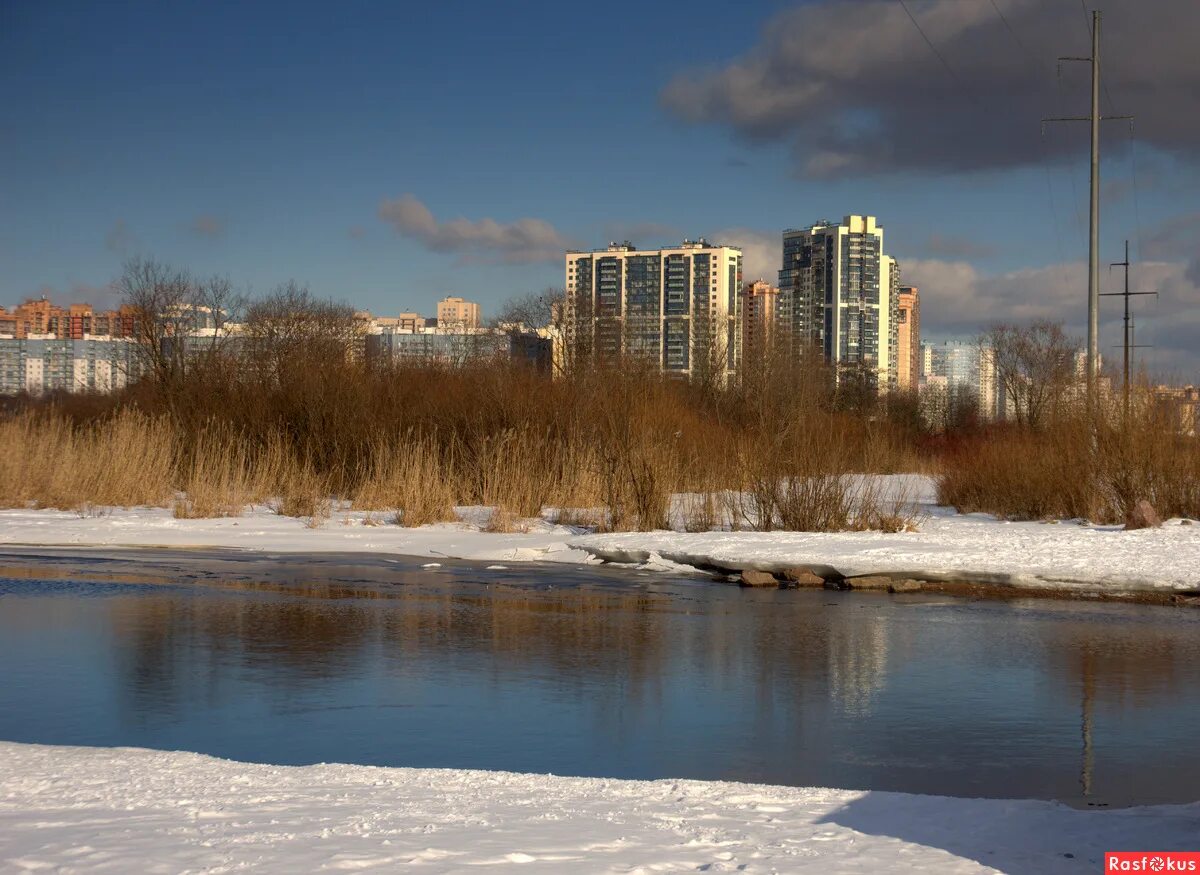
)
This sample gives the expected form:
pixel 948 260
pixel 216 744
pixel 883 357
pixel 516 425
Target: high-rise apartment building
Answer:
pixel 964 366
pixel 676 308
pixel 908 338
pixel 759 311
pixel 839 295
pixel 454 312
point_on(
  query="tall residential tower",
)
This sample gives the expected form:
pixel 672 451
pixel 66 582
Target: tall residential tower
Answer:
pixel 674 308
pixel 908 339
pixel 839 296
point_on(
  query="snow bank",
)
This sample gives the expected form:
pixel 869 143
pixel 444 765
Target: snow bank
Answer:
pixel 949 546
pixel 960 548
pixel 129 810
pixel 259 528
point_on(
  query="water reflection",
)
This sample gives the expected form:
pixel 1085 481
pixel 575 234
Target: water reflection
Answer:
pixel 586 672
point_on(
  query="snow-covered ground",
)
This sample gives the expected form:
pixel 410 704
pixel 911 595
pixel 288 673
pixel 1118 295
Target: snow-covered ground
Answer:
pixel 974 547
pixel 123 810
pixel 949 546
pixel 260 528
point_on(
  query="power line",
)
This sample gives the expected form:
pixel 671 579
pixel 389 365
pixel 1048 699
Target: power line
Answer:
pixel 1087 21
pixel 1053 209
pixel 1076 207
pixel 1132 149
pixel 1016 38
pixel 1137 208
pixel 1045 151
pixel 962 86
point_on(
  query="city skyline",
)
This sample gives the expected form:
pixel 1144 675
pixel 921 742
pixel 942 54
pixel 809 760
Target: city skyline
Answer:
pixel 391 174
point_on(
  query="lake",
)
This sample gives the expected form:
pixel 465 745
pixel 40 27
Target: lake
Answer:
pixel 597 671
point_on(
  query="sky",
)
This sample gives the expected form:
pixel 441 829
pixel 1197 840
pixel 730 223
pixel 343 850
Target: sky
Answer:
pixel 388 154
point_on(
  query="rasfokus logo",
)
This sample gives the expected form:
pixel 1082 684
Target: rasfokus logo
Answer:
pixel 1152 861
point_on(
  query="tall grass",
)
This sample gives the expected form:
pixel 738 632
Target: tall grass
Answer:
pixel 611 447
pixel 409 478
pixel 1076 467
pixel 122 459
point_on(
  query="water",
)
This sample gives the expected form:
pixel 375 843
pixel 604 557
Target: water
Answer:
pixel 586 671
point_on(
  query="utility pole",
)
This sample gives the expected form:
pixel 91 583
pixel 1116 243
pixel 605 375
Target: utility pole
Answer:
pixel 1128 341
pixel 1093 339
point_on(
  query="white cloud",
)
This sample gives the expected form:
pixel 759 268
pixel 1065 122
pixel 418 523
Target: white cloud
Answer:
pixel 958 301
pixel 762 251
pixel 519 242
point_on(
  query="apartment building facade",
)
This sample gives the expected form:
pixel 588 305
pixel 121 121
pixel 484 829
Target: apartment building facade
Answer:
pixel 455 347
pixel 676 309
pixel 839 295
pixel 759 317
pixel 39 316
pixel 454 312
pixel 908 338
pixel 957 365
pixel 39 363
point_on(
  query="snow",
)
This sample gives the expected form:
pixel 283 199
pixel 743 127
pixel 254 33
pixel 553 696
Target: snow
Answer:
pixel 948 545
pixel 261 529
pixel 71 809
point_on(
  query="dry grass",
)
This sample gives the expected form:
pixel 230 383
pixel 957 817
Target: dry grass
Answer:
pixel 701 511
pixel 217 479
pixel 409 476
pixel 417 442
pixel 123 459
pixel 1074 469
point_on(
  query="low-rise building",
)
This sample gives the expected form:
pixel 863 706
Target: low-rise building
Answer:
pixel 1182 406
pixel 455 347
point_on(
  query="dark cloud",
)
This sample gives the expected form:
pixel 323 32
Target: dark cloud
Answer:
pixel 1176 237
pixel 952 246
pixel 853 87
pixel 521 242
pixel 1193 272
pixel 119 238
pixel 206 225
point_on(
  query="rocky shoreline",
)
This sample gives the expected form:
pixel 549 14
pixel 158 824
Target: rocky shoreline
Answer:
pixel 824 577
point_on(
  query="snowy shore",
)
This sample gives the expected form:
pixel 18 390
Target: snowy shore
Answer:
pixel 948 546
pixel 130 810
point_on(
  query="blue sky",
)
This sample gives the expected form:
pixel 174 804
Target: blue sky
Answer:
pixel 259 140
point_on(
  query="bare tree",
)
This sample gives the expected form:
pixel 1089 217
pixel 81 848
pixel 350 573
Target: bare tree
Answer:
pixel 290 324
pixel 1035 368
pixel 534 310
pixel 949 407
pixel 178 321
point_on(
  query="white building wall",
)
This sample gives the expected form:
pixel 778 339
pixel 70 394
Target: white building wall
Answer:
pixel 103 376
pixel 34 376
pixel 79 368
